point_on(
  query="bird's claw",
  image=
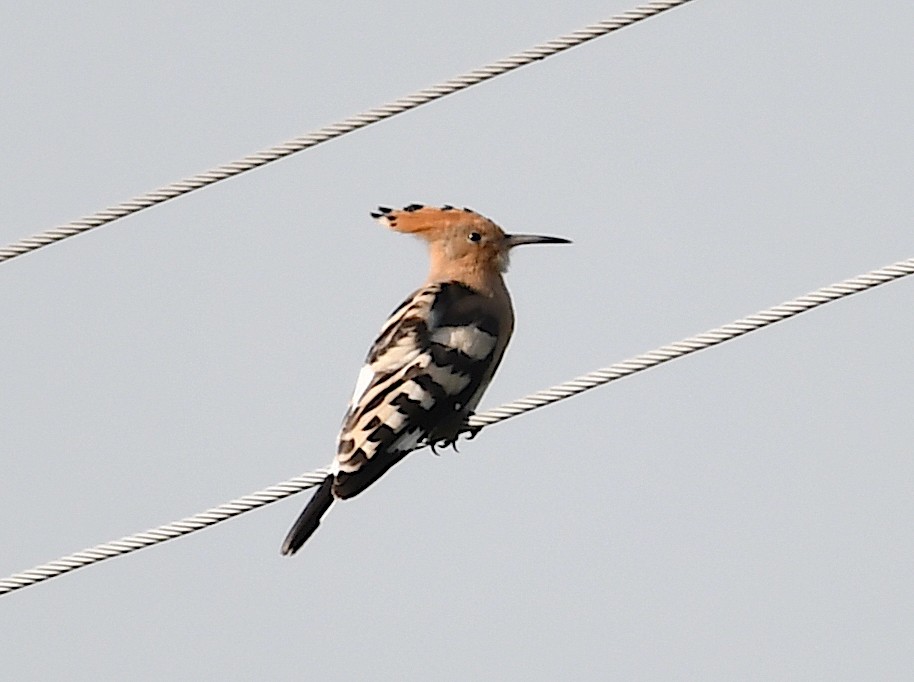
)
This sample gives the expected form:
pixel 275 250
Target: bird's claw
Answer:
pixel 471 431
pixel 444 442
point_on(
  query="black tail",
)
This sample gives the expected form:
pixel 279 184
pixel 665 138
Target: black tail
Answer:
pixel 310 518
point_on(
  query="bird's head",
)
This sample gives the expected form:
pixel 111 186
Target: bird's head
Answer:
pixel 460 240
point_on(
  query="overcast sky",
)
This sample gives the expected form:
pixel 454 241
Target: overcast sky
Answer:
pixel 745 513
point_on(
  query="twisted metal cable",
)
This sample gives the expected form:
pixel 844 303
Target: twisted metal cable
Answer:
pixel 639 363
pixel 695 343
pixel 339 129
pixel 169 531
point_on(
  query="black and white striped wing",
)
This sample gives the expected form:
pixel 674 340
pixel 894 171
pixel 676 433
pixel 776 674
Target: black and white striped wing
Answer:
pixel 427 370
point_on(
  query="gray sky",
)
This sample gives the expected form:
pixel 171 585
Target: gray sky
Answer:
pixel 745 513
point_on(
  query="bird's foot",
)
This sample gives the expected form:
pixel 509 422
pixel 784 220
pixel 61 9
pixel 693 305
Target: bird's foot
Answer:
pixel 471 431
pixel 444 442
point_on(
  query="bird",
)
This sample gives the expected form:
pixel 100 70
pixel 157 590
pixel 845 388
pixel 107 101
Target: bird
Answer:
pixel 433 358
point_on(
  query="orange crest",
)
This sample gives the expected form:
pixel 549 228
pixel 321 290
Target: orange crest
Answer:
pixel 430 221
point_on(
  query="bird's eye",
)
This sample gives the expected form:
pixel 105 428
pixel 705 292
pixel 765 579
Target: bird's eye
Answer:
pixel 474 237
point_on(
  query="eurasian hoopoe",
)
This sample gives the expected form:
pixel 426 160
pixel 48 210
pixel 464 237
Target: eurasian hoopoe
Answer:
pixel 433 359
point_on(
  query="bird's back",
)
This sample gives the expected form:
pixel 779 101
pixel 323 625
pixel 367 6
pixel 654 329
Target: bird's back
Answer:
pixel 423 377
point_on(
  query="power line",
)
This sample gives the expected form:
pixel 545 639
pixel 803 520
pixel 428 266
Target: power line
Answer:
pixel 338 129
pixel 639 363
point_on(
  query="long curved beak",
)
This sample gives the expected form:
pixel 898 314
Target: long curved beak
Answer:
pixel 518 239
